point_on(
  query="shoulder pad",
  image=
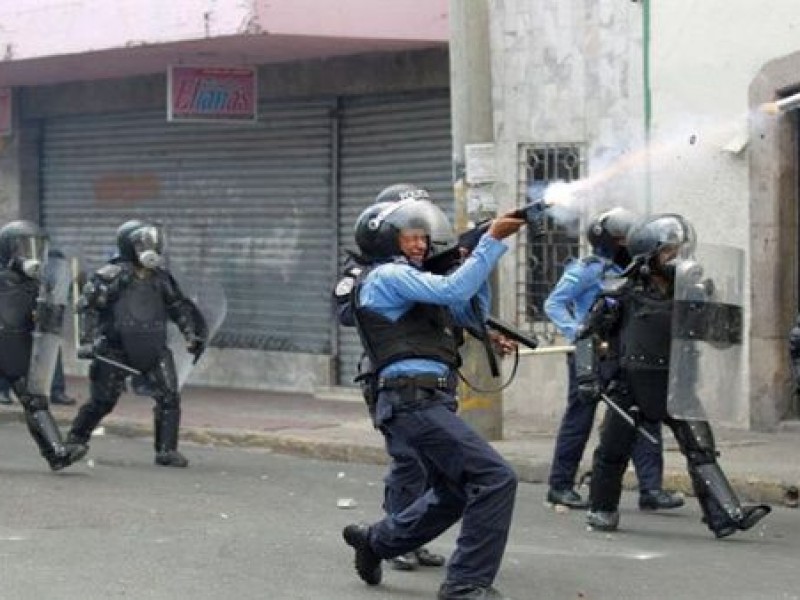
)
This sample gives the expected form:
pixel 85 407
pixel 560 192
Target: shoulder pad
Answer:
pixel 344 287
pixel 108 272
pixel 591 260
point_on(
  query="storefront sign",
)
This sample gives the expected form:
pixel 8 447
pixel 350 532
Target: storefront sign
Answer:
pixel 211 94
pixel 5 111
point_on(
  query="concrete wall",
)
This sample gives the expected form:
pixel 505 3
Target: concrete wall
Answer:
pixel 709 75
pixel 573 72
pixel 562 72
pixel 380 73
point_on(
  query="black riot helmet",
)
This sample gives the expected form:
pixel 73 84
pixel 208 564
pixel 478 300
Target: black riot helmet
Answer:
pixel 401 191
pixel 608 230
pixel 141 242
pixel 23 247
pixel 378 227
pixel 124 246
pixel 660 241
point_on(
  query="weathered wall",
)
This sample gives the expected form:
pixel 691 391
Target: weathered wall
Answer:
pixel 562 72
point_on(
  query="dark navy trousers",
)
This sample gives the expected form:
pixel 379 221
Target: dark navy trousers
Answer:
pixel 406 480
pixel 573 435
pixel 467 480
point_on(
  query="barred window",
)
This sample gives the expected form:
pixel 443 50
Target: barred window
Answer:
pixel 543 259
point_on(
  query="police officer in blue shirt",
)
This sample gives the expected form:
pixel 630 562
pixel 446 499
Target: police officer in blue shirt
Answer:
pixel 406 479
pixel 405 320
pixel 566 306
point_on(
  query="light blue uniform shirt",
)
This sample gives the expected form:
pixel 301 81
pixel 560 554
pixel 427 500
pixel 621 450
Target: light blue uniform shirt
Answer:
pixel 575 292
pixel 392 289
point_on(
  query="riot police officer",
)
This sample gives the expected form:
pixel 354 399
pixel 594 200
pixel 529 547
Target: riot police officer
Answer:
pixel 406 479
pixel 23 248
pixel 404 318
pixel 629 328
pixel 125 307
pixel 566 306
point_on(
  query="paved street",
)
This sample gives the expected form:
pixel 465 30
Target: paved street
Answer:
pixel 246 523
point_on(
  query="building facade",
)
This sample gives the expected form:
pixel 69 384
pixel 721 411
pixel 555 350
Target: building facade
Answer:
pixel 350 97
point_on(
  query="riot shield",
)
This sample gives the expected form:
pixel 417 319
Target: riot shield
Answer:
pixel 209 298
pixel 706 359
pixel 49 324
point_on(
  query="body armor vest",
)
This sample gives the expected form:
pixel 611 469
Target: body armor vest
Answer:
pixel 140 322
pixel 644 344
pixel 17 302
pixel 425 331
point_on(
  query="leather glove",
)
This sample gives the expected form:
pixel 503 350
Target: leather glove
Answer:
pixel 195 345
pixel 589 390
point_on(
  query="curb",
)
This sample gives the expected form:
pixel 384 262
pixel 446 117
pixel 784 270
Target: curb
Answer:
pixel 750 489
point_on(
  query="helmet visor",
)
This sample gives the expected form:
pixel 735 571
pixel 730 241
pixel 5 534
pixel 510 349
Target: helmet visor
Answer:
pixel 147 238
pixel 671 235
pixel 414 215
pixel 31 247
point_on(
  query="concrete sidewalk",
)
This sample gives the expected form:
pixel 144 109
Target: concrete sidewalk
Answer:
pixel 764 467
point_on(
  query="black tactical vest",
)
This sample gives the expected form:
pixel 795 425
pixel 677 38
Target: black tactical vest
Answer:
pixel 425 331
pixel 17 302
pixel 644 344
pixel 140 321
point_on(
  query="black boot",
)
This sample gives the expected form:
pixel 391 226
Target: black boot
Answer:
pixel 426 558
pixel 368 564
pixel 752 515
pixel 404 562
pixel 165 426
pixel 45 432
pixel 468 591
pixel 569 498
pixel 659 500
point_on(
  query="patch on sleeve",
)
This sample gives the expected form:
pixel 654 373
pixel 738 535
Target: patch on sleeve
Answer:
pixel 344 287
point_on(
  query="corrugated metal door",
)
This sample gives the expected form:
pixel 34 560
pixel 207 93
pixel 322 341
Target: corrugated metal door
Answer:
pixel 386 140
pixel 248 205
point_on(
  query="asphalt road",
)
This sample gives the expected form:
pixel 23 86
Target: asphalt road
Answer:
pixel 249 524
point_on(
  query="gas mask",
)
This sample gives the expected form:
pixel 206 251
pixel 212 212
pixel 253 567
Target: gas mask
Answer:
pixel 147 244
pixel 28 257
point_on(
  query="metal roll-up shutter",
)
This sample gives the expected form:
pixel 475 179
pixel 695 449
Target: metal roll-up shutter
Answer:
pixel 246 205
pixel 386 140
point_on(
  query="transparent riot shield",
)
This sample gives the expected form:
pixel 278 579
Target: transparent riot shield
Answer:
pixel 706 367
pixel 209 298
pixel 49 324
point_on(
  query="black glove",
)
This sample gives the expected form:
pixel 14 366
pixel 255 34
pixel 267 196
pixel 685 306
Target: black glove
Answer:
pixel 89 351
pixel 589 390
pixel 195 345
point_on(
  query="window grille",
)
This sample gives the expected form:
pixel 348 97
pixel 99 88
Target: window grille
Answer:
pixel 542 260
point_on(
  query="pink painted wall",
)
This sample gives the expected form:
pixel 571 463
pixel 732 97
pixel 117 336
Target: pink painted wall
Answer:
pixel 43 28
pixel 381 19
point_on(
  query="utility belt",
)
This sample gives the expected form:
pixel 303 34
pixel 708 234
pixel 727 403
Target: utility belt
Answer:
pixel 415 390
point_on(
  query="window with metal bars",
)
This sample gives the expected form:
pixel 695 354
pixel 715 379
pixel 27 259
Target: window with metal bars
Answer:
pixel 544 258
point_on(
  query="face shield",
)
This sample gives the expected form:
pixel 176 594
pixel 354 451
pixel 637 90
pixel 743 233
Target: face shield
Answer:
pixel 29 254
pixel 148 244
pixel 676 244
pixel 413 216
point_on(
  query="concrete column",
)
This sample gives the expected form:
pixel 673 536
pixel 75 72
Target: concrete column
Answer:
pixel 10 193
pixel 471 106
